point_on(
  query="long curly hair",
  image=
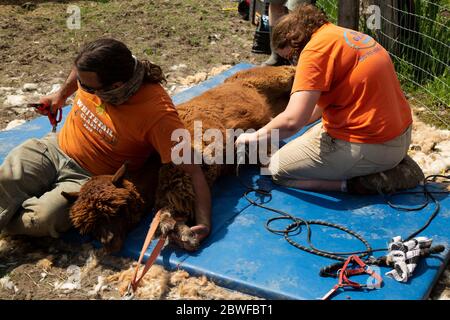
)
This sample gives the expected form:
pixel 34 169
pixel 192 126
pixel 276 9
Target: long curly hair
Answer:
pixel 112 61
pixel 296 28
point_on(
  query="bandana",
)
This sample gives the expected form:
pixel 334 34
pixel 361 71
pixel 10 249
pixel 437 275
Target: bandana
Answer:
pixel 121 94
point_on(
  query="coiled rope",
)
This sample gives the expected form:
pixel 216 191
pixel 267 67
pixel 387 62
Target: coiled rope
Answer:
pixel 294 228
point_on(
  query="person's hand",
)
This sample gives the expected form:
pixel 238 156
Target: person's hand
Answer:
pixel 246 138
pixel 55 100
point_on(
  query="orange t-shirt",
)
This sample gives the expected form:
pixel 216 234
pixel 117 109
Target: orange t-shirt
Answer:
pixel 101 137
pixel 361 96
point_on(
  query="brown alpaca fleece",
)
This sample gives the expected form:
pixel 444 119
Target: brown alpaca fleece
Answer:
pixel 273 83
pixel 108 207
pixel 228 106
pixel 247 100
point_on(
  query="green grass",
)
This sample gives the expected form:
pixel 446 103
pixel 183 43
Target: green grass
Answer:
pixel 423 57
pixel 433 100
pixel 330 8
pixel 429 38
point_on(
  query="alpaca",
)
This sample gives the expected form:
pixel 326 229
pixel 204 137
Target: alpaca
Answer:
pixel 109 206
pixel 247 100
pixel 273 83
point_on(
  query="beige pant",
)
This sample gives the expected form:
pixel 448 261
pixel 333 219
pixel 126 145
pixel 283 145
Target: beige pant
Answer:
pixel 31 180
pixel 317 156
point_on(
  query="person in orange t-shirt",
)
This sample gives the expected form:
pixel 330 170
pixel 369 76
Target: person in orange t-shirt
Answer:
pixel 120 113
pixel 349 80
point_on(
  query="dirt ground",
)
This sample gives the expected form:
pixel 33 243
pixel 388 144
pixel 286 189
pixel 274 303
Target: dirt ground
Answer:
pixel 184 37
pixel 190 40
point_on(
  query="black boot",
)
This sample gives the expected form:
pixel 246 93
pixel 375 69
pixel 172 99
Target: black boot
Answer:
pixel 261 39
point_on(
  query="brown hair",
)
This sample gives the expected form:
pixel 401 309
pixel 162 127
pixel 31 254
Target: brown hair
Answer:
pixel 296 28
pixel 113 62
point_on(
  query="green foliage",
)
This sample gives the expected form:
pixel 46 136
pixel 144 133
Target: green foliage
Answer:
pixel 330 7
pixel 421 53
pixel 426 43
pixel 436 96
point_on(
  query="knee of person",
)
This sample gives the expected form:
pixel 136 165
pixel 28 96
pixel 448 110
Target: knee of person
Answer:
pixel 281 180
pixel 277 179
pixel 40 222
pixel 275 172
pixel 9 173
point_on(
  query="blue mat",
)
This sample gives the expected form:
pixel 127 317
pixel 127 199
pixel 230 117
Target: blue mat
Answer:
pixel 241 254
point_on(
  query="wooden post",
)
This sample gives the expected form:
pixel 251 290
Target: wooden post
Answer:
pixel 348 14
pixel 391 27
pixel 388 34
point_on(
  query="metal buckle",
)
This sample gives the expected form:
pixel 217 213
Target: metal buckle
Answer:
pixel 129 294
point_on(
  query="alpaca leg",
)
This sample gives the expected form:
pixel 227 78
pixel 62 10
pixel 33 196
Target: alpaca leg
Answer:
pixel 167 223
pixel 184 237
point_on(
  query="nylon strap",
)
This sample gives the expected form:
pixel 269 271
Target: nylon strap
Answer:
pixel 345 273
pixel 155 253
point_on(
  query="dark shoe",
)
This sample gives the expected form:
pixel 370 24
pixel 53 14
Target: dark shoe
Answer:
pixel 406 175
pixel 261 42
pixel 261 39
pixel 244 9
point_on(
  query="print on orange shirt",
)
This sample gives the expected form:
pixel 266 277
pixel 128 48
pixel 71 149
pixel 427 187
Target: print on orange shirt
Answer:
pixel 101 137
pixel 358 40
pixel 92 123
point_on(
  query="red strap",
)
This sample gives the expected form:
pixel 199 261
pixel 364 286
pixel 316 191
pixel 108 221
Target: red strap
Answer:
pixel 353 272
pixel 345 273
pixel 155 253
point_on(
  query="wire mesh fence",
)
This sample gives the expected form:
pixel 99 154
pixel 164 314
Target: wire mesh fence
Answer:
pixel 330 7
pixel 416 34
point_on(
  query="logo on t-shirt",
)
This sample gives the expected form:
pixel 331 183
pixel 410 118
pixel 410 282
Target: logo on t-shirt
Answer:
pixel 94 124
pixel 358 40
pixel 100 109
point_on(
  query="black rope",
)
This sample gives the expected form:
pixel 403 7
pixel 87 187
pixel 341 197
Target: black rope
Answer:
pixel 294 228
pixel 429 197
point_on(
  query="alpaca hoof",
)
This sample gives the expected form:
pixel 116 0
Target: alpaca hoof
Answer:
pixel 167 223
pixel 184 238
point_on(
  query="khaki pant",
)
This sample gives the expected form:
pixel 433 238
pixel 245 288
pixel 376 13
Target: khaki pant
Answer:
pixel 31 180
pixel 317 156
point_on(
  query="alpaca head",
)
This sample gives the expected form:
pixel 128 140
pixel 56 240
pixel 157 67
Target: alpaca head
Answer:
pixel 106 207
